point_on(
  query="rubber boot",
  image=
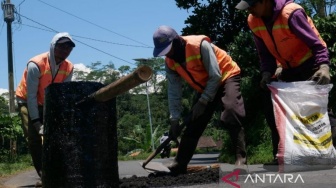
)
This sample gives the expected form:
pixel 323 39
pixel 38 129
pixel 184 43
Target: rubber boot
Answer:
pixel 184 154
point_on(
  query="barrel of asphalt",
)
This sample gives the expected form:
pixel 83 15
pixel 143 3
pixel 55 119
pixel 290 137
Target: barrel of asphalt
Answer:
pixel 80 141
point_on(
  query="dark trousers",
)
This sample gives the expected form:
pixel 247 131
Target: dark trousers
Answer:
pixel 34 139
pixel 233 113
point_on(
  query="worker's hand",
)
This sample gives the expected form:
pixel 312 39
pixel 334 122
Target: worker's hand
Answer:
pixel 322 76
pixel 41 132
pixel 39 127
pixel 266 79
pixel 198 109
pixel 175 129
pixel 277 73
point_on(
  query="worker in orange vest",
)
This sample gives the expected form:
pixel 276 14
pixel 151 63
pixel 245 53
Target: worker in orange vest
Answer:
pixel 41 71
pixel 215 77
pixel 289 46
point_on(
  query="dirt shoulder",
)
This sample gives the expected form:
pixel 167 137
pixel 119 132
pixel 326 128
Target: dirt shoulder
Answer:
pixel 5 178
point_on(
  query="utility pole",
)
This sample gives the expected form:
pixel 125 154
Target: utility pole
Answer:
pixel 150 118
pixel 8 10
pixel 143 60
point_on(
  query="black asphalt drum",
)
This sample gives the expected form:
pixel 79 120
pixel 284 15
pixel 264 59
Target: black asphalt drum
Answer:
pixel 80 142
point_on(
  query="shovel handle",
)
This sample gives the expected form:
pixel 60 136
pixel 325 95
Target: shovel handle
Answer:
pixel 158 150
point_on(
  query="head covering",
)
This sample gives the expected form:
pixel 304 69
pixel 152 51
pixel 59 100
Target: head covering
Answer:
pixel 64 40
pixel 245 4
pixel 59 37
pixel 163 38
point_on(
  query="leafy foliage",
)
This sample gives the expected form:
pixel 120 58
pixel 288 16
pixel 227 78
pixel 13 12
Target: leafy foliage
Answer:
pixel 134 123
pixel 10 133
pixel 10 126
pixel 217 19
pixel 318 8
pixel 3 105
pixel 327 28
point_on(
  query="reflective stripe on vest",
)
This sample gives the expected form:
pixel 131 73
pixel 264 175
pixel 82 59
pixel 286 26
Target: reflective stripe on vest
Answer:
pixel 286 47
pixel 194 72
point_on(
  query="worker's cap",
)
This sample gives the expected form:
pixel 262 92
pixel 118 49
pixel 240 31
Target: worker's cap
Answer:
pixel 245 4
pixel 66 40
pixel 163 38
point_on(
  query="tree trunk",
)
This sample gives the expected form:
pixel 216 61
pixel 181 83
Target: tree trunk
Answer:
pixel 13 150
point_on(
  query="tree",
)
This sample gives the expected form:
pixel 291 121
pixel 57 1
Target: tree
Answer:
pixel 319 8
pixel 10 133
pixel 327 28
pixel 157 65
pixel 217 19
pixel 102 73
pixel 124 69
pixel 4 105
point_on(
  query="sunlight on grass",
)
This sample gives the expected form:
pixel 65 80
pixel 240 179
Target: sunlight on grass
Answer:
pixel 261 154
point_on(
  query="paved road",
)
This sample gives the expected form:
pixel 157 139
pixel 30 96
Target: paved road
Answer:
pixel 257 176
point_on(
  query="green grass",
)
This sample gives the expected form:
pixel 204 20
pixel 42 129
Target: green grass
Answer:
pixel 255 154
pixel 261 154
pixel 10 167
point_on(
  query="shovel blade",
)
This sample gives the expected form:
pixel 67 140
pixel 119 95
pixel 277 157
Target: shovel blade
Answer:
pixel 155 167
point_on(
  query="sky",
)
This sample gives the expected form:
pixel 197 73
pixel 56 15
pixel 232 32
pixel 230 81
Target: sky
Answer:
pixel 108 31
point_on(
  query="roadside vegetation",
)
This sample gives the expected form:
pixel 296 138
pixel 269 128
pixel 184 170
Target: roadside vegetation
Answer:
pixel 23 162
pixel 136 126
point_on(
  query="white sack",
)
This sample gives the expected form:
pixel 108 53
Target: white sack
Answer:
pixel 301 115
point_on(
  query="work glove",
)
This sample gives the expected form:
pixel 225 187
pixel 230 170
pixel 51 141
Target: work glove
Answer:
pixel 39 127
pixel 266 79
pixel 175 129
pixel 199 108
pixel 322 75
pixel 277 73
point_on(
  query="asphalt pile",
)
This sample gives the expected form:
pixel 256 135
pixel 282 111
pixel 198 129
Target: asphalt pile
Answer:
pixel 166 180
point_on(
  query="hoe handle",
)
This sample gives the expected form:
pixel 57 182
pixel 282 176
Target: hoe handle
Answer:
pixel 158 150
pixel 165 143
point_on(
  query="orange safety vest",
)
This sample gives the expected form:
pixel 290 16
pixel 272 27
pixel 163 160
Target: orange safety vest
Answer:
pixel 286 47
pixel 194 72
pixel 42 61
